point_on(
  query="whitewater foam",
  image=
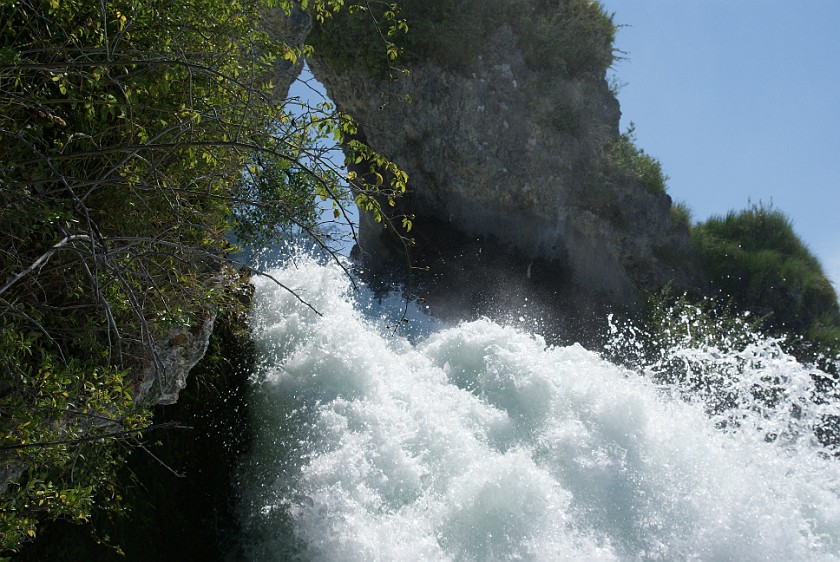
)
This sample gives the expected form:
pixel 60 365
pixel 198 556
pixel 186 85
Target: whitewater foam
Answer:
pixel 480 442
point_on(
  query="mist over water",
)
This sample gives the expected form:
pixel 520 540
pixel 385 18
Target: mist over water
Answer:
pixel 479 442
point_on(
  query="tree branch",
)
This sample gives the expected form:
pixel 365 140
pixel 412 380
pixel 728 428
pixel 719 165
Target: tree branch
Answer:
pixel 43 259
pixel 111 435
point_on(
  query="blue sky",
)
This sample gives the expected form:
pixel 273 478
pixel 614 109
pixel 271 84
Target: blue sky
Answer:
pixel 740 101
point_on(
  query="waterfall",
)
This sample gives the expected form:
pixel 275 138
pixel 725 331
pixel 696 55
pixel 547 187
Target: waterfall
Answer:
pixel 480 442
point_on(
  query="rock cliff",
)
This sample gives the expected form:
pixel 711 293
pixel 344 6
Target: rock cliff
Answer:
pixel 508 129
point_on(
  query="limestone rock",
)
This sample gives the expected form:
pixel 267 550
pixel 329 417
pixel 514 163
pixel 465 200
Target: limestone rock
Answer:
pixel 500 145
pixel 172 359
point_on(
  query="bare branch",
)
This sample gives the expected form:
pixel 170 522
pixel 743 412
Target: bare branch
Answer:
pixel 43 259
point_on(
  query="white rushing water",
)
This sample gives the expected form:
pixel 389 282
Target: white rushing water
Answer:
pixel 479 442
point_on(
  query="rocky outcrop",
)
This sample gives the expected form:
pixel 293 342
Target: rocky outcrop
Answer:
pixel 169 361
pixel 173 357
pixel 500 140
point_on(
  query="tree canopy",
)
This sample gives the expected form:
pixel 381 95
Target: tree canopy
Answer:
pixel 142 141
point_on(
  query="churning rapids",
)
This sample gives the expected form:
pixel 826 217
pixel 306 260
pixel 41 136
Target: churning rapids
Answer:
pixel 479 442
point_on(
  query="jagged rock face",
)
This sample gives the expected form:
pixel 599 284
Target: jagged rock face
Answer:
pixel 173 357
pixel 502 146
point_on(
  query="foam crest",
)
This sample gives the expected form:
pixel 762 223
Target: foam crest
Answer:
pixel 480 442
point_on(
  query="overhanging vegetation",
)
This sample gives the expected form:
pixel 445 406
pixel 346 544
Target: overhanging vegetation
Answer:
pixel 137 136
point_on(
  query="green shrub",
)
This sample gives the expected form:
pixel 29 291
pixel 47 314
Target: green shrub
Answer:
pixel 755 258
pixel 680 216
pixel 624 160
pixel 571 37
pixel 348 40
pixel 65 427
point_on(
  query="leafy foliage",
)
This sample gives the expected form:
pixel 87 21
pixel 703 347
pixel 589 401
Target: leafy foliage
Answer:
pixel 137 135
pixel 347 39
pixel 63 429
pixel 571 37
pixel 680 215
pixel 624 159
pixel 755 258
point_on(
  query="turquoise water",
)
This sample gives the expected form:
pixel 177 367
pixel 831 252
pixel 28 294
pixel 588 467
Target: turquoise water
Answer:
pixel 480 442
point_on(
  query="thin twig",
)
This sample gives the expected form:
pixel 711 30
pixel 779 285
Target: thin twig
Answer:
pixel 43 259
pixel 161 463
